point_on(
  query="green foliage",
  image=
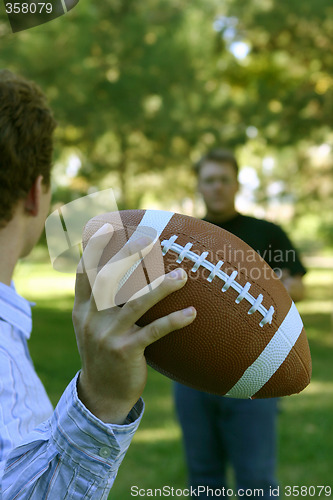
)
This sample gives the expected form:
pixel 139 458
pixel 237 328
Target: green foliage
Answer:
pixel 140 89
pixel 123 81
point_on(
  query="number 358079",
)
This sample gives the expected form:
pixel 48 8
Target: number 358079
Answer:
pixel 307 491
pixel 28 8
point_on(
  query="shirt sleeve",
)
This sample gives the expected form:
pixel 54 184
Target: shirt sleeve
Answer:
pixel 72 455
pixel 283 253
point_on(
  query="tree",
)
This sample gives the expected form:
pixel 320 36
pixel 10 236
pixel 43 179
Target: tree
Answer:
pixel 124 82
pixel 141 90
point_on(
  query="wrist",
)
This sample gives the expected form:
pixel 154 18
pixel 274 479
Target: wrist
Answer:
pixel 107 410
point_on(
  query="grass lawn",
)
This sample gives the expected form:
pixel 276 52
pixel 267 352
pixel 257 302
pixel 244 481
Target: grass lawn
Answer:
pixel 155 457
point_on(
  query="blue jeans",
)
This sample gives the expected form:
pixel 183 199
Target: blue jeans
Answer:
pixel 218 431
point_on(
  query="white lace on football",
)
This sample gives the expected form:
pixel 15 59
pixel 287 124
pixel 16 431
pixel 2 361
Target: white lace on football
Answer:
pixel 216 271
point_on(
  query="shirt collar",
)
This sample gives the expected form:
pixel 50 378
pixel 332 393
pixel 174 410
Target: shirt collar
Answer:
pixel 15 310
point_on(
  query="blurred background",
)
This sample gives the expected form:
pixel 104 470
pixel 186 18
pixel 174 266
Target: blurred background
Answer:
pixel 140 90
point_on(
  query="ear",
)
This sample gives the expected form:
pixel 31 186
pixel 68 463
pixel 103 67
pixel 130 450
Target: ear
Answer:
pixel 32 200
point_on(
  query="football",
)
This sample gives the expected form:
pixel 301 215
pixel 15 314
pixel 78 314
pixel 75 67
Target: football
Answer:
pixel 247 340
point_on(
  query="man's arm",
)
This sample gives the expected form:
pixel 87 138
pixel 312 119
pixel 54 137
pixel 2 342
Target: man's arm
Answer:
pixel 77 452
pixel 71 455
pixel 286 258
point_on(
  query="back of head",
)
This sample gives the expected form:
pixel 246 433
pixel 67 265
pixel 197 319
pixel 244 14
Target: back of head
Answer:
pixel 26 140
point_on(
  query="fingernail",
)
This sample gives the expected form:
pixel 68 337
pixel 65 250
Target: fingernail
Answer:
pixel 178 274
pixel 190 311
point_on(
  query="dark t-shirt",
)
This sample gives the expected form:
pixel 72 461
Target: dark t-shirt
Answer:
pixel 268 239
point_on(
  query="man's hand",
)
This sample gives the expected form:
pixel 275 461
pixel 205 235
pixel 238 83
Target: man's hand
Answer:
pixel 293 284
pixel 111 345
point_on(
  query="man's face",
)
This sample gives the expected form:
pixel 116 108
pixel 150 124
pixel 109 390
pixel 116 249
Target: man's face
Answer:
pixel 218 186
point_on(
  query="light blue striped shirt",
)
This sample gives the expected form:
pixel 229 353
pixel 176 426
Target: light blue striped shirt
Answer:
pixel 46 454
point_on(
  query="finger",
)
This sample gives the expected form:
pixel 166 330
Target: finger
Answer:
pixel 87 267
pixel 134 309
pixel 148 288
pixel 142 239
pixel 162 326
pixel 108 279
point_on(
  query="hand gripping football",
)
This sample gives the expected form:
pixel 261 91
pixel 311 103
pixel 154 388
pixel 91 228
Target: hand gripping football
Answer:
pixel 247 340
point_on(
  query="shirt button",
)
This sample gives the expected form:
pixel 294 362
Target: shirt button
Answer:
pixel 104 452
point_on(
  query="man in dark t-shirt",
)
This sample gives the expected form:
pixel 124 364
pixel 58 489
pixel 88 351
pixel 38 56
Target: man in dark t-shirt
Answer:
pixel 218 431
pixel 271 242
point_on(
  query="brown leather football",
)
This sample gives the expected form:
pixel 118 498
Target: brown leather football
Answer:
pixel 247 340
